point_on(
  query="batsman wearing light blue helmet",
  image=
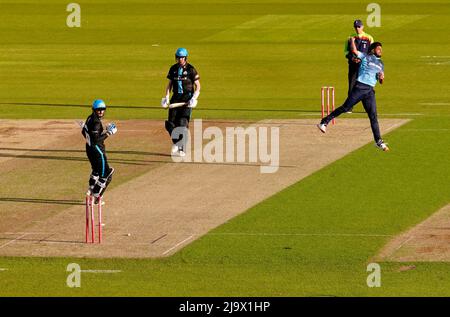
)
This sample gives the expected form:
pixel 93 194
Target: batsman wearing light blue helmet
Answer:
pixel 95 135
pixel 184 82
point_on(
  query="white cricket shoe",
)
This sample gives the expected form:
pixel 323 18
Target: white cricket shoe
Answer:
pixel 174 149
pixel 322 127
pixel 382 146
pixel 181 153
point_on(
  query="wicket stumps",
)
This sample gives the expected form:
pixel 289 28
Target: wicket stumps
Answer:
pixel 90 219
pixel 326 102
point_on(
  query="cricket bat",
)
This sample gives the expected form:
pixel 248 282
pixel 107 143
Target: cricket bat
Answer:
pixel 177 105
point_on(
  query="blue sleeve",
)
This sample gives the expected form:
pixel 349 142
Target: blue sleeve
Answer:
pixel 360 55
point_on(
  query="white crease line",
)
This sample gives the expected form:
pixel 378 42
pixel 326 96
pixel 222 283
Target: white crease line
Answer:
pixel 363 113
pixel 400 114
pixel 308 114
pixel 434 56
pixel 25 232
pixel 426 130
pixel 395 126
pixel 434 103
pixel 178 244
pixel 3 269
pixel 133 130
pixel 101 271
pixel 401 245
pixel 439 63
pixel 303 234
pixel 4 245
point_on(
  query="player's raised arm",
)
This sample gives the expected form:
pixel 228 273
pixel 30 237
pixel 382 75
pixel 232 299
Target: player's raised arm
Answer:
pixel 354 50
pixel 353 46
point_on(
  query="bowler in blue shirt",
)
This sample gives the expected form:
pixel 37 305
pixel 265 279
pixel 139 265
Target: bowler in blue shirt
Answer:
pixel 370 72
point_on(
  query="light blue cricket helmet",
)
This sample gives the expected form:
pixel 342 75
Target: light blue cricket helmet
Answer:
pixel 181 52
pixel 98 105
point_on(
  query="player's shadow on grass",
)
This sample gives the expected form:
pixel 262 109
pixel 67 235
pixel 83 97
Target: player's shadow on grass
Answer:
pixel 40 240
pixel 130 152
pixel 83 159
pixel 42 201
pixel 75 159
pixel 38 104
pixel 127 161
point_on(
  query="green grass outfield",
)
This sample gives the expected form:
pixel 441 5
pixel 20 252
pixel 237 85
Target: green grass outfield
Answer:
pixel 257 59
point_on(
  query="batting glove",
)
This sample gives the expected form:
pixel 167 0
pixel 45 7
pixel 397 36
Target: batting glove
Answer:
pixel 111 129
pixel 165 102
pixel 192 103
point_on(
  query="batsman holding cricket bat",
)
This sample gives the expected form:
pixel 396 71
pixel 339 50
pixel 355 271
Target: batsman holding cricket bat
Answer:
pixel 184 81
